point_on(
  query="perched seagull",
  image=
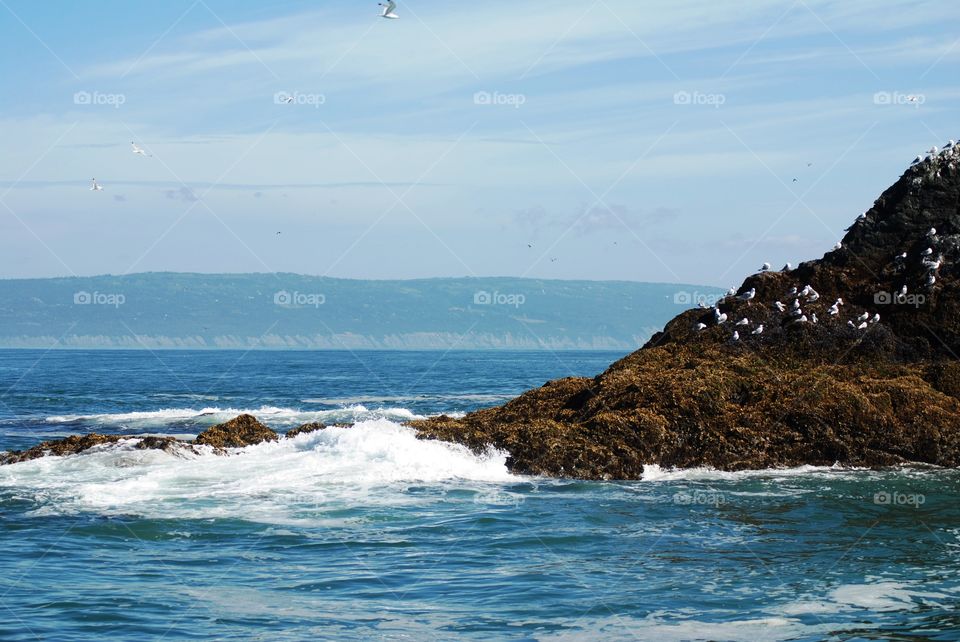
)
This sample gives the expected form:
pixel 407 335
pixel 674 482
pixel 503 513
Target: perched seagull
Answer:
pixel 743 321
pixel 903 291
pixel 875 319
pixel 900 257
pixel 931 279
pixel 702 305
pixel 862 217
pixel 839 301
pixel 731 291
pixel 779 306
pixel 787 267
pixel 96 187
pixel 721 319
pixel 139 150
pixel 736 336
pixel 864 316
pixel 813 317
pixel 927 252
pixel 748 295
pixel 862 326
pixel 850 323
pixel 802 319
pixel 792 292
pixel 932 232
pixel 759 330
pixel 388 10
pixel 933 151
pixel 838 246
pixel 797 312
pixel 834 310
pixel 933 266
pixel 796 304
pixel 917 160
pixel 701 326
pixel 764 267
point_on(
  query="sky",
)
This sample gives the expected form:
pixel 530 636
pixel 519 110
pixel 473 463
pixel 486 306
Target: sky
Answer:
pixel 687 141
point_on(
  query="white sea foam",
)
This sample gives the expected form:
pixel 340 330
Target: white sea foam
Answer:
pixel 653 472
pixel 212 415
pixel 282 482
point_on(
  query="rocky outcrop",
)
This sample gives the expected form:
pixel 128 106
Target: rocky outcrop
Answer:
pixel 851 358
pixel 305 429
pixel 239 432
pixel 61 447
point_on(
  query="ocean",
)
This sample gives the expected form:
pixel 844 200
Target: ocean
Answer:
pixel 367 533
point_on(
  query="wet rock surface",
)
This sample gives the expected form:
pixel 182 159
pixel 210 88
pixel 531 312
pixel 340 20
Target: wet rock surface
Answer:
pixel 857 365
pixel 239 432
pixel 305 429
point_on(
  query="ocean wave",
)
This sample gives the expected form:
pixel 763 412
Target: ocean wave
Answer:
pixel 401 399
pixel 271 415
pixel 289 481
pixel 653 472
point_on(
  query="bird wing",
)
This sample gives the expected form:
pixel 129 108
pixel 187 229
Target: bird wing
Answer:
pixel 391 5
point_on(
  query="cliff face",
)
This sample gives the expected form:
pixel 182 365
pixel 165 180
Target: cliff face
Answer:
pixel 848 367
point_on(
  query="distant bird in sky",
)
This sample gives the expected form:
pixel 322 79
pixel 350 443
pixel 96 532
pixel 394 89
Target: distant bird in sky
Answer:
pixel 389 10
pixel 139 151
pixel 794 180
pixel 95 186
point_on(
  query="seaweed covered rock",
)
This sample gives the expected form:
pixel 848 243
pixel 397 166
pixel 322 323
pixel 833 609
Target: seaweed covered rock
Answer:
pixel 848 359
pixel 304 429
pixel 71 445
pixel 241 431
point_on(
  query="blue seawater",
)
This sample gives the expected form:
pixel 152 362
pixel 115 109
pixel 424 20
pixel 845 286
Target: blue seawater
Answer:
pixel 366 533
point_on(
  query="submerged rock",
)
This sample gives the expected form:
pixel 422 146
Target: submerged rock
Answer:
pixel 857 365
pixel 59 448
pixel 305 429
pixel 241 431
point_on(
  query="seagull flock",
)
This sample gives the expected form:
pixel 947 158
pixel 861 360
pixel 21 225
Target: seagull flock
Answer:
pixel 793 312
pixel 389 12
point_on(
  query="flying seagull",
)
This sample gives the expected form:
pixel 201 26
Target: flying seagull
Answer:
pixel 96 187
pixel 139 151
pixel 388 10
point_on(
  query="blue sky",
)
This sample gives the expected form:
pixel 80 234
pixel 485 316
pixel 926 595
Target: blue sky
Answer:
pixel 622 140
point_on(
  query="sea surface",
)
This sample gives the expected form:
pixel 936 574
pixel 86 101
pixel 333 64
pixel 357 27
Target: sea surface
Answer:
pixel 367 533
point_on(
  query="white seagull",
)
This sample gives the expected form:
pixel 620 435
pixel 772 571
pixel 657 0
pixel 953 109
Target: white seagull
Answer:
pixel 731 291
pixel 792 291
pixel 764 267
pixel 875 319
pixel 787 267
pixel 95 186
pixel 932 231
pixel 749 294
pixel 864 316
pixel 903 291
pixel 813 317
pixel 834 310
pixel 779 306
pixel 759 330
pixel 701 326
pixel 388 10
pixel 838 246
pixel 721 319
pixel 927 252
pixel 931 279
pixel 139 151
pixel 796 304
pixel 736 336
pixel 743 321
pixel 862 326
